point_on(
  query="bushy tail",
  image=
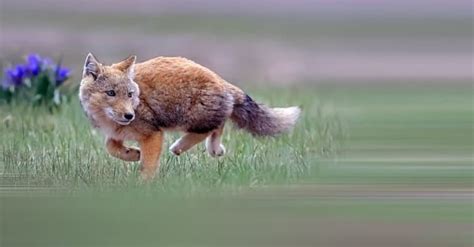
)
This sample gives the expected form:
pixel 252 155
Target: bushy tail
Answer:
pixel 261 120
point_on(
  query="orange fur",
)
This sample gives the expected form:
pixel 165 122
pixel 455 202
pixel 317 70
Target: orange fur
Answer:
pixel 130 101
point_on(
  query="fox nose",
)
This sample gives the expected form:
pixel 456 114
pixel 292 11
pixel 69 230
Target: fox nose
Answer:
pixel 128 116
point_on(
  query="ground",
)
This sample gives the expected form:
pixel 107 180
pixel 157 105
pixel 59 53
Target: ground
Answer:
pixel 366 166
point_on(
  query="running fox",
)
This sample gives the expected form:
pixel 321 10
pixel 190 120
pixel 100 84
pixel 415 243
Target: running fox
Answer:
pixel 139 101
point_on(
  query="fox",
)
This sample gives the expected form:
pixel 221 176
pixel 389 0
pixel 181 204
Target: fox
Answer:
pixel 130 101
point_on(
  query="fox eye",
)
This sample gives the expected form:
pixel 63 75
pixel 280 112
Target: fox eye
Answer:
pixel 110 93
pixel 130 94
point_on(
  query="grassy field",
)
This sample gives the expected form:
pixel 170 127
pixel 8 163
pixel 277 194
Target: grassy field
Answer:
pixel 365 166
pixel 63 150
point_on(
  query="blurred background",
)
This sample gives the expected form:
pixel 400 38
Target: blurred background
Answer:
pixel 270 41
pixel 387 127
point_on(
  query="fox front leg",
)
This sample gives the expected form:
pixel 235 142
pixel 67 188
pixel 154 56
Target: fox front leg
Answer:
pixel 150 154
pixel 118 150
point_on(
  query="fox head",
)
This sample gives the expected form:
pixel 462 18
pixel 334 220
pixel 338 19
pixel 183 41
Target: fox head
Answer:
pixel 109 91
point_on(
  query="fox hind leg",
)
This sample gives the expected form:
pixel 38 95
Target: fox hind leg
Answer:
pixel 186 142
pixel 213 143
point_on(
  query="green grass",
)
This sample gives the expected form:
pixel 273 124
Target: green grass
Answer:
pixel 381 134
pixel 380 166
pixel 39 149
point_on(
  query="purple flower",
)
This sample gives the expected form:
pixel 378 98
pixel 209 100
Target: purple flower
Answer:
pixel 61 75
pixel 14 76
pixel 34 64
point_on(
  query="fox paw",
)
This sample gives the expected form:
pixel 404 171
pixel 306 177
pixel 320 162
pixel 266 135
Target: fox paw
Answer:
pixel 132 154
pixel 216 151
pixel 147 175
pixel 176 149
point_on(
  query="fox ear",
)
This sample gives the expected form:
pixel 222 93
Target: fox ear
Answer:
pixel 91 67
pixel 127 65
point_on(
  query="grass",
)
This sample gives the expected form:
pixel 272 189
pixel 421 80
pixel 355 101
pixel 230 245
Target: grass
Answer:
pixel 39 149
pixel 408 134
pixel 380 166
